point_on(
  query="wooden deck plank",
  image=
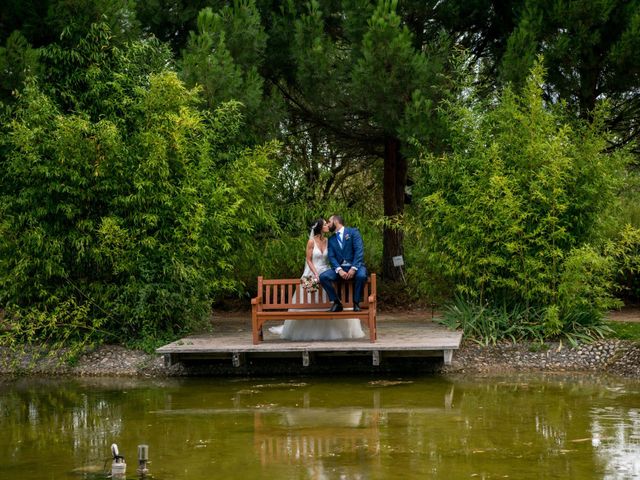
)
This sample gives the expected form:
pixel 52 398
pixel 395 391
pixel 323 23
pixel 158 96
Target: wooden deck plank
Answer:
pixel 393 336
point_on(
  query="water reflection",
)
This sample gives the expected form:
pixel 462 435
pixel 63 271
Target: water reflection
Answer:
pixel 521 427
pixel 308 436
pixel 615 438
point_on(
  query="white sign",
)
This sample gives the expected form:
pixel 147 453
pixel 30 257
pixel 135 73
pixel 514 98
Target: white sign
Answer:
pixel 398 261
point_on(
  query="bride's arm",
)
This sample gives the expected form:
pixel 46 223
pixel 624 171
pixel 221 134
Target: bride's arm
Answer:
pixel 310 257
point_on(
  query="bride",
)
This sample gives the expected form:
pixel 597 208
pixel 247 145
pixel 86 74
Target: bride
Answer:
pixel 318 262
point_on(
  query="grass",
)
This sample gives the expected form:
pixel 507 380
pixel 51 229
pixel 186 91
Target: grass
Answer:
pixel 625 330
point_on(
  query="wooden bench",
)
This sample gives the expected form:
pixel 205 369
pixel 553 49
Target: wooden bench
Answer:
pixel 274 302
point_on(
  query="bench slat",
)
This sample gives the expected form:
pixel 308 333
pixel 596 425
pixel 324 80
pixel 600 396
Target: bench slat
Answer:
pixel 305 314
pixel 276 297
pixel 282 295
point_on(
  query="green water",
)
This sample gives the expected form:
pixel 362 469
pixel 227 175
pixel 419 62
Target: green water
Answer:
pixel 518 427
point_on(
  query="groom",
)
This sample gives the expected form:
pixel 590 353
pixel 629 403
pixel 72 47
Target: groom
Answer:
pixel 346 256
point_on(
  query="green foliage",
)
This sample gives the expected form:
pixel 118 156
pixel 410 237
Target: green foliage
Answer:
pixel 92 74
pixel 42 22
pixel 625 252
pixel 315 171
pixel 387 47
pixel 208 60
pixel 123 205
pixel 362 78
pixel 171 20
pixel 489 325
pixel 223 57
pixel 75 17
pixel 136 221
pixel 590 51
pixel 18 61
pixel 586 286
pixel 508 215
pixel 67 329
pixel 630 202
pixel 356 68
pixel 129 201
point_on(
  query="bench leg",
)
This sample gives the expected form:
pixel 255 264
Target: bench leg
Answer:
pixel 257 334
pixel 373 333
pixel 255 327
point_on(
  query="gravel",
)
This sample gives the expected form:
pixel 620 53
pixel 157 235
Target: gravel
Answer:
pixel 616 357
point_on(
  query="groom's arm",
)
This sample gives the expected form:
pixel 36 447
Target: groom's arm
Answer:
pixel 358 249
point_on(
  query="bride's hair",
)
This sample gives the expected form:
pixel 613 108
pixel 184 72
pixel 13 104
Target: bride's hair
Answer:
pixel 316 226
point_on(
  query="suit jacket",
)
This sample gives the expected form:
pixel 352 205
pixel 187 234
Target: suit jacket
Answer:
pixel 352 251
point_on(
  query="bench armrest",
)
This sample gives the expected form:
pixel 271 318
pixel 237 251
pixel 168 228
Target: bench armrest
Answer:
pixel 256 301
pixel 372 299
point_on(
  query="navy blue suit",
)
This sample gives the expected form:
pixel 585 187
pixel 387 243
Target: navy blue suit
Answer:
pixel 351 254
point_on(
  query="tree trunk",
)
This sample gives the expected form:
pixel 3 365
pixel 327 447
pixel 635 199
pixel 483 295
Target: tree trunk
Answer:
pixel 394 182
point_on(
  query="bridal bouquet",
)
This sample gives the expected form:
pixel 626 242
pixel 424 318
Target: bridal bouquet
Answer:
pixel 310 283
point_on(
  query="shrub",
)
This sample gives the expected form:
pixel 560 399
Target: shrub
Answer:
pixel 488 325
pixel 625 251
pixel 586 286
pixel 132 226
pixel 507 216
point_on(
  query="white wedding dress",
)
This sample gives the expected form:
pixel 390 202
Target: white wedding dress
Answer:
pixel 300 330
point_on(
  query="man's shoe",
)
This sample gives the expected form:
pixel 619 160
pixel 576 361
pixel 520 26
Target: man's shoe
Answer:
pixel 356 307
pixel 336 307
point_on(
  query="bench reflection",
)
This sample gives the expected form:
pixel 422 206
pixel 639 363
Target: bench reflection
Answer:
pixel 313 436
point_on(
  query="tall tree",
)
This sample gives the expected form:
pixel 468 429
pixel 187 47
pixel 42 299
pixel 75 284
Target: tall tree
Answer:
pixel 172 20
pixel 43 21
pixel 357 73
pixel 591 51
pixel 223 56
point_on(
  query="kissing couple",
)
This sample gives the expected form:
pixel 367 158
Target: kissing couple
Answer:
pixel 339 257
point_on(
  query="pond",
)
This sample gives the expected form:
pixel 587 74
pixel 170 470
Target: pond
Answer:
pixel 517 426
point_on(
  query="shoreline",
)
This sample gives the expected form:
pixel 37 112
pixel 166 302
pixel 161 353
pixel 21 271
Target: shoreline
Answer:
pixel 609 356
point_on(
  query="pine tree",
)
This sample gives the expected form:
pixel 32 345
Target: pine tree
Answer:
pixel 357 73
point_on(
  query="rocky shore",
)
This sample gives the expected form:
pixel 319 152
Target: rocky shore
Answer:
pixel 614 357
pixel 610 356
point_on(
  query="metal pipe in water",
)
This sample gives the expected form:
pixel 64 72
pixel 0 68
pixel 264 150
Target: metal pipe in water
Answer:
pixel 118 466
pixel 143 459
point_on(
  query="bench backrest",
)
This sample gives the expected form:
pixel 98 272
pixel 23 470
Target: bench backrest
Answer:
pixel 281 294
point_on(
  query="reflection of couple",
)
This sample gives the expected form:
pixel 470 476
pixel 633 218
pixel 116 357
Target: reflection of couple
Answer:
pixel 339 257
